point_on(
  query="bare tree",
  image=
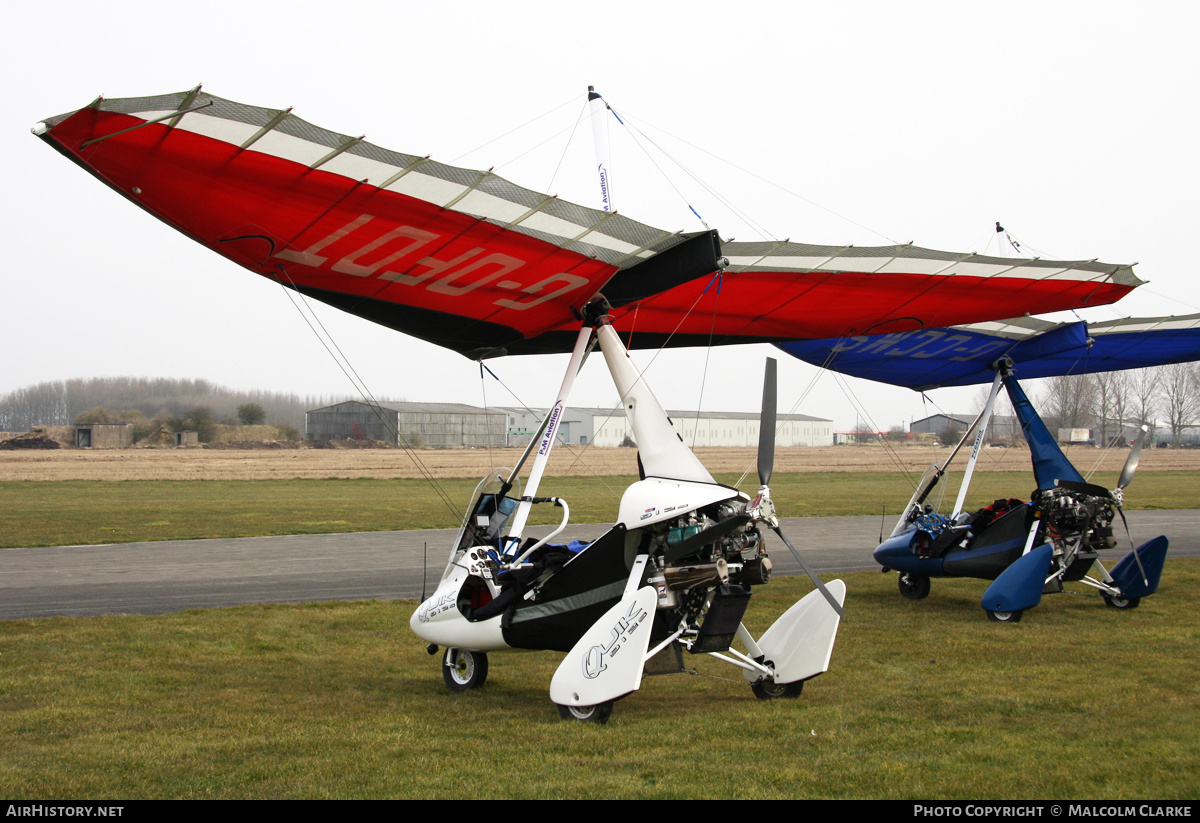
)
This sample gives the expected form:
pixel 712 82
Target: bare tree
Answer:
pixel 1003 427
pixel 57 403
pixel 1180 398
pixel 1110 397
pixel 1067 401
pixel 42 405
pixel 1143 393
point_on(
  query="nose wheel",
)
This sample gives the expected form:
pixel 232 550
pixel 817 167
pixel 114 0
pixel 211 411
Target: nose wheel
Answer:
pixel 463 670
pixel 914 586
pixel 1006 617
pixel 770 690
pixel 1121 602
pixel 586 714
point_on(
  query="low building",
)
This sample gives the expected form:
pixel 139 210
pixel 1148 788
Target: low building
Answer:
pixel 420 425
pixel 455 425
pixel 576 426
pixel 610 427
pixel 938 423
pixel 858 437
pixel 104 435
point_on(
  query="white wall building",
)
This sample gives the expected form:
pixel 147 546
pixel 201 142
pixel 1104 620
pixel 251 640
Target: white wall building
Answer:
pixel 722 429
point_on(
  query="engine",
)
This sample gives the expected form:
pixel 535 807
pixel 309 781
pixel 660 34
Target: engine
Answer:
pixel 707 547
pixel 1079 511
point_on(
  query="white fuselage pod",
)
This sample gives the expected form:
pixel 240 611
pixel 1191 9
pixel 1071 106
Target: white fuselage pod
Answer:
pixel 439 620
pixel 658 498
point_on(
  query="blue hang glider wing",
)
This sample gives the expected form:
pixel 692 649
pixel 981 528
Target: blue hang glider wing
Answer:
pixel 963 355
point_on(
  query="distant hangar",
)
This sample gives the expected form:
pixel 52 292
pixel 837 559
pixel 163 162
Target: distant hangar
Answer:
pixel 457 425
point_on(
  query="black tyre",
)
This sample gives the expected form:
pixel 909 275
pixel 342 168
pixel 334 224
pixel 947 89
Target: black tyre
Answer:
pixel 770 690
pixel 914 586
pixel 586 714
pixel 463 670
pixel 1006 617
pixel 1120 602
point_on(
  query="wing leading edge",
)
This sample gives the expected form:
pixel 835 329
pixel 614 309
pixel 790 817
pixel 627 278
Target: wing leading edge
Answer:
pixel 470 261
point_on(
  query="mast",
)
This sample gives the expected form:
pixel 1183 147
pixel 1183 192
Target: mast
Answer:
pixel 600 135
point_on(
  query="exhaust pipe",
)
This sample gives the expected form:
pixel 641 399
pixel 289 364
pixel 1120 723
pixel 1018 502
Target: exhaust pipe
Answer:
pixel 679 578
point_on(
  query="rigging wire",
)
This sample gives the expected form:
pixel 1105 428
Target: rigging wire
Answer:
pixel 707 355
pixel 529 122
pixel 1104 452
pixel 634 132
pixel 783 419
pixel 483 391
pixel 574 127
pixel 859 408
pixel 560 440
pixel 1174 298
pixel 723 200
pixel 762 179
pixel 360 386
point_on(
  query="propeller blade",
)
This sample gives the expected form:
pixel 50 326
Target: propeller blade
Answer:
pixel 1137 557
pixel 837 607
pixel 766 425
pixel 1131 463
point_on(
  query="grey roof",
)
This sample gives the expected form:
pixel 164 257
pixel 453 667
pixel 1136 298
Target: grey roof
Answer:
pixel 965 420
pixel 404 406
pixel 677 414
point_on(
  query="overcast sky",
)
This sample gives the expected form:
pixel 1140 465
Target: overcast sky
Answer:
pixel 1074 124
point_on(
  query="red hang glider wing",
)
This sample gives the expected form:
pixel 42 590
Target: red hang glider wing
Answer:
pixel 462 258
pixel 472 262
pixel 791 291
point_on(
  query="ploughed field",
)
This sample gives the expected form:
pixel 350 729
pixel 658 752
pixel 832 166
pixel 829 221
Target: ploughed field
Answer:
pixel 383 463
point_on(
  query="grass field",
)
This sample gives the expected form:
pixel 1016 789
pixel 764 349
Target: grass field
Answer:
pixel 566 461
pixel 923 700
pixel 77 512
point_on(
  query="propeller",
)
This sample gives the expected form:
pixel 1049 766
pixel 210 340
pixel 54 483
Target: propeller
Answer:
pixel 766 424
pixel 1118 494
pixel 1131 464
pixel 766 464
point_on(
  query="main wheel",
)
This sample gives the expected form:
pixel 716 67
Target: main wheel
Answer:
pixel 1120 602
pixel 1006 617
pixel 914 586
pixel 587 714
pixel 770 690
pixel 463 670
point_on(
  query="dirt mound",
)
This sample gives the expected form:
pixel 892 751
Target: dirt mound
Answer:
pixel 252 444
pixel 30 441
pixel 349 444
